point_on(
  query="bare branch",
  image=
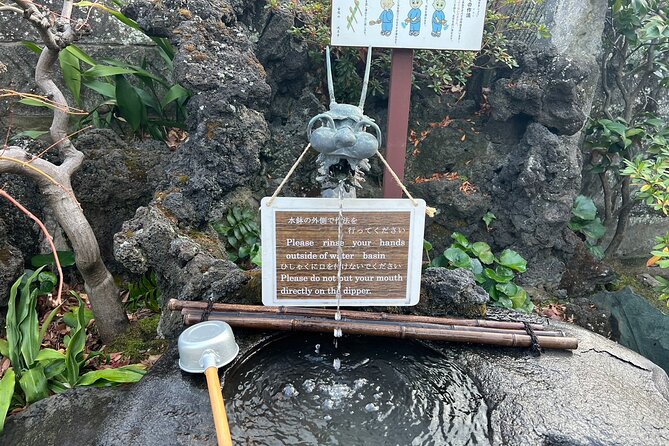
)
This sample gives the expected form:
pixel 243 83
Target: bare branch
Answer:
pixel 605 86
pixel 4 7
pixel 41 22
pixel 48 237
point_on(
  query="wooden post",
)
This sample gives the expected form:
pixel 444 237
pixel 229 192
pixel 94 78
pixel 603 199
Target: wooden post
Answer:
pixel 401 70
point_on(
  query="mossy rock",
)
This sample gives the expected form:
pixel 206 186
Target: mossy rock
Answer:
pixel 140 340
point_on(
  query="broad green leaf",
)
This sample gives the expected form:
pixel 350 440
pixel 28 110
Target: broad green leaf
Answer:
pixel 58 387
pixel 511 259
pixel 118 14
pixel 257 257
pixel 33 382
pixel 458 258
pixel 175 93
pixel 28 320
pixel 49 354
pixel 482 251
pixel 130 105
pixel 66 259
pixel 584 208
pixel 500 274
pixel 149 100
pixel 509 289
pixel 108 377
pixel 461 239
pixel 504 301
pixel 48 277
pixel 4 348
pixel 35 103
pixel 594 230
pixel 105 70
pixel 81 55
pixel 32 134
pixel 70 318
pixel 106 89
pixel 237 212
pixel 54 368
pixel 29 329
pixel 71 70
pixel 614 127
pixel 32 46
pixel 6 393
pixel 439 262
pixel 477 268
pixel 596 251
pixel 13 334
pixel 75 347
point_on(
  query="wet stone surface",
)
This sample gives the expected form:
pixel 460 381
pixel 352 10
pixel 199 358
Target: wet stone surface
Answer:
pixel 601 394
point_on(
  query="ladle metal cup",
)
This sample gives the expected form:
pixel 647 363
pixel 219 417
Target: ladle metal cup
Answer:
pixel 205 347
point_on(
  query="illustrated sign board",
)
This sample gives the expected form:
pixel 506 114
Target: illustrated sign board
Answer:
pixel 382 249
pixel 429 24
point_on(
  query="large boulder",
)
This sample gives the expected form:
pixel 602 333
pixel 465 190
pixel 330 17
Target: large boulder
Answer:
pixel 219 163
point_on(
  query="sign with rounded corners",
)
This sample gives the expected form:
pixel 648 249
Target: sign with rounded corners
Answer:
pixel 381 251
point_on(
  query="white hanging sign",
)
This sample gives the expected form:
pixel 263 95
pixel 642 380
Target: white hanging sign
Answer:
pixel 428 24
pixel 381 255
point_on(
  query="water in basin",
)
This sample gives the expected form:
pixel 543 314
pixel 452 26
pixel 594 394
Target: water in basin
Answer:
pixel 383 392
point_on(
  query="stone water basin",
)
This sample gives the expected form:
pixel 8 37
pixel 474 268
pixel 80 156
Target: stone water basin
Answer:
pixel 301 389
pixel 601 394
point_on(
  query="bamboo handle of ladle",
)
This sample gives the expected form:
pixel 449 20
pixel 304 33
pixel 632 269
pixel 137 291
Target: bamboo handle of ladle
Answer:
pixel 218 407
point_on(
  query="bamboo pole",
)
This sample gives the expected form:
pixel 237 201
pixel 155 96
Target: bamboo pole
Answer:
pixel 222 315
pixel 387 329
pixel 176 305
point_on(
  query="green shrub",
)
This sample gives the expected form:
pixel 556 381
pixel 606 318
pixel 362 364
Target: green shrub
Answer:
pixel 439 71
pixel 494 274
pixel 241 233
pixel 36 372
pixel 584 220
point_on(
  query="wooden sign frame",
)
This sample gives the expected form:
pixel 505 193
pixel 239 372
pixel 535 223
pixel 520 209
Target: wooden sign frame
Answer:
pixel 383 269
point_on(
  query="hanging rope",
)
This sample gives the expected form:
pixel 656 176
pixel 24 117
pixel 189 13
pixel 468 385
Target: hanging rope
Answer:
pixel 288 175
pixel 429 211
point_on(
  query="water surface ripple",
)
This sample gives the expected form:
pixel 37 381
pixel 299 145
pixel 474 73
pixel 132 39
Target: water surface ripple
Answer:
pixel 386 392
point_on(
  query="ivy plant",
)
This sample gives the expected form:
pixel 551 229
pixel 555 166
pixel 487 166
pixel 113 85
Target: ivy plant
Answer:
pixel 495 274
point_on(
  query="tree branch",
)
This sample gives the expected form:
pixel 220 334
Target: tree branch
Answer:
pixel 38 20
pixel 48 237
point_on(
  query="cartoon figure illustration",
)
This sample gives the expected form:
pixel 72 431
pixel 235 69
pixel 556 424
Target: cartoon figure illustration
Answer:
pixel 413 18
pixel 438 18
pixel 386 17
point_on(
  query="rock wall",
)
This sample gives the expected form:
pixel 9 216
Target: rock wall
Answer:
pixel 255 88
pixel 218 164
pixel 522 161
pixel 116 176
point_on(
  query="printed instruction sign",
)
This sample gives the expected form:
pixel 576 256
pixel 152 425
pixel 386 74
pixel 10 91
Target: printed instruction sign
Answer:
pixel 428 24
pixel 382 249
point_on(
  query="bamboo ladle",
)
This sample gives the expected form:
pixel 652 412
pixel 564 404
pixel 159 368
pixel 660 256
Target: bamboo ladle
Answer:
pixel 205 347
